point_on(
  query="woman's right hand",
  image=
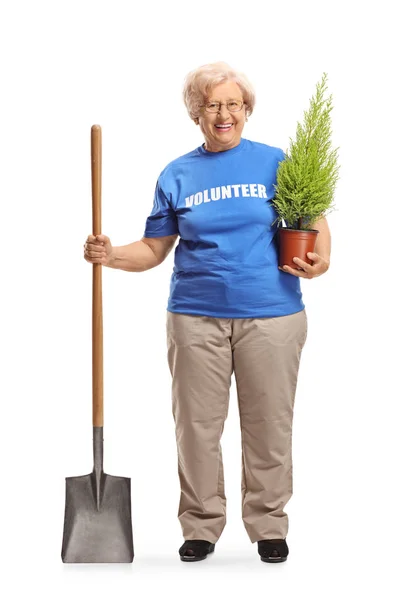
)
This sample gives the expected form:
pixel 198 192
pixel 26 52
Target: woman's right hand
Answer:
pixel 98 250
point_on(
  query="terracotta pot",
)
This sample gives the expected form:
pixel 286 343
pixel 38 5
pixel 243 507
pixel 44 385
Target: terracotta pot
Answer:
pixel 295 242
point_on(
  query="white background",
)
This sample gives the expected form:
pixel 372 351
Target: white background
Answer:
pixel 68 65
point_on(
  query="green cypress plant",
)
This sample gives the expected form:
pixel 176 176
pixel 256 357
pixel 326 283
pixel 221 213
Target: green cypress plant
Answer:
pixel 307 176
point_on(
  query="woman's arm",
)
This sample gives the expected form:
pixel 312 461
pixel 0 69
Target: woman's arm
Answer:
pixel 323 243
pixel 145 254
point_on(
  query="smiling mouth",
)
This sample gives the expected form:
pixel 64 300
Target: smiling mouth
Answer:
pixel 224 127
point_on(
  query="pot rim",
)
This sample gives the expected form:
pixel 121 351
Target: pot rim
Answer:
pixel 301 230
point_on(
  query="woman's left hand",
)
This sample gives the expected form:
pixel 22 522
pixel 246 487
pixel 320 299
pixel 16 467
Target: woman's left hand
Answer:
pixel 319 267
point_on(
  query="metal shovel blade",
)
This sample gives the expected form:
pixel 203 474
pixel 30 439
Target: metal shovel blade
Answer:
pixel 97 522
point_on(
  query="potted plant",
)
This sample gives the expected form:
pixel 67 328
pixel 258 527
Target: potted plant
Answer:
pixel 305 181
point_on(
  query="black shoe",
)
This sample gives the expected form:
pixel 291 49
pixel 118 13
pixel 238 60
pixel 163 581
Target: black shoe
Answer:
pixel 273 551
pixel 193 550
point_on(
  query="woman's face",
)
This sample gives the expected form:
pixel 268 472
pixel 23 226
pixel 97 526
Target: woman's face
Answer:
pixel 216 139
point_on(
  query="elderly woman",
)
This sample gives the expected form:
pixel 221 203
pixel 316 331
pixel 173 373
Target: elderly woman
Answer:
pixel 230 309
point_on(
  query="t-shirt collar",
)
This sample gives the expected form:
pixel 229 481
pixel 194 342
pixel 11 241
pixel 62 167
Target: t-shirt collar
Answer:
pixel 229 152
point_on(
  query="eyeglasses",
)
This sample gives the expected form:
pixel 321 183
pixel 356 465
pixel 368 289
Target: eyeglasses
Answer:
pixel 215 107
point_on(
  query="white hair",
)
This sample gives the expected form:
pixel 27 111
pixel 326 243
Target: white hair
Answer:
pixel 199 83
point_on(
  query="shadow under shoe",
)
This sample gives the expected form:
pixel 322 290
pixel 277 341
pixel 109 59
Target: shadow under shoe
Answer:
pixel 194 550
pixel 273 551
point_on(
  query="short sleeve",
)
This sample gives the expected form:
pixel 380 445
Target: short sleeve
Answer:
pixel 162 219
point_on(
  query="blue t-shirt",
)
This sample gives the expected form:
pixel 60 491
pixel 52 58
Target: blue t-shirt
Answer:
pixel 226 261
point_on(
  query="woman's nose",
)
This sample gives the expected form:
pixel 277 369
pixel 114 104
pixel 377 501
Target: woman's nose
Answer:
pixel 224 111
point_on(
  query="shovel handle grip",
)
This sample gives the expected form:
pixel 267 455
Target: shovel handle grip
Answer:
pixel 97 304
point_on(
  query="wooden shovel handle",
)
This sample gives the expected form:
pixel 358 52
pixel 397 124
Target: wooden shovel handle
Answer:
pixel 97 305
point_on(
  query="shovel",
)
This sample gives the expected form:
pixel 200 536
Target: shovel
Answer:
pixel 97 521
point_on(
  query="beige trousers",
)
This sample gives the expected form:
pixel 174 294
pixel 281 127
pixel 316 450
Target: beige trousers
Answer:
pixel 203 352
